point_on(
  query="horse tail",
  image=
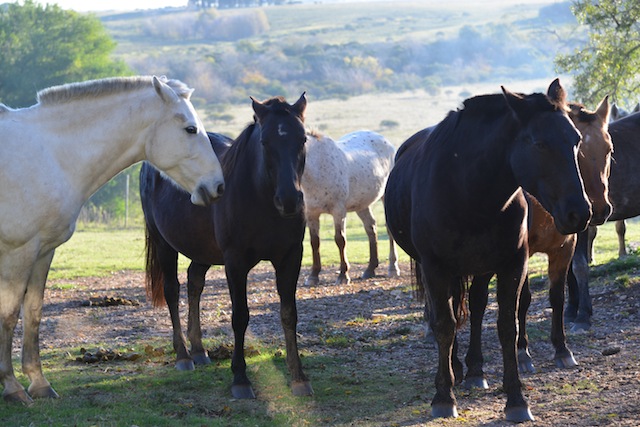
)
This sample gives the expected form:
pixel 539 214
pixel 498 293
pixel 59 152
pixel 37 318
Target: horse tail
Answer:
pixel 459 294
pixel 154 280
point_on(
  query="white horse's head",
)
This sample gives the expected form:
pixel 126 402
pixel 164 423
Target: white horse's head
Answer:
pixel 179 145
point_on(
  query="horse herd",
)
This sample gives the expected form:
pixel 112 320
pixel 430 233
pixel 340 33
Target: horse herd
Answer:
pixel 501 178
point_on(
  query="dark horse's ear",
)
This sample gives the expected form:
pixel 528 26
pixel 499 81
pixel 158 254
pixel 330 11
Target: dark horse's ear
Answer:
pixel 517 104
pixel 557 93
pixel 300 105
pixel 259 108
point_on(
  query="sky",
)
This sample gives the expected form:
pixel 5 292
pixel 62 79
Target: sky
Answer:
pixel 120 5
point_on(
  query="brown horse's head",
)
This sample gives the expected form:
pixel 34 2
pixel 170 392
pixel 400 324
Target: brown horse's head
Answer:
pixel 594 156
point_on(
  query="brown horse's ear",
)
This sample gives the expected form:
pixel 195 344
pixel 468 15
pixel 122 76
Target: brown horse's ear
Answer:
pixel 557 93
pixel 603 109
pixel 300 105
pixel 517 104
pixel 259 108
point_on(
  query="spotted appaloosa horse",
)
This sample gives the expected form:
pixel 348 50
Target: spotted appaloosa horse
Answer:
pixel 347 175
pixel 454 202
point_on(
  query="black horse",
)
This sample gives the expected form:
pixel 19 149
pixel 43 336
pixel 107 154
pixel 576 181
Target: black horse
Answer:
pixel 454 203
pixel 260 217
pixel 624 187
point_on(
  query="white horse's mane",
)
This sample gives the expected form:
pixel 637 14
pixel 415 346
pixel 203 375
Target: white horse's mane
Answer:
pixel 101 87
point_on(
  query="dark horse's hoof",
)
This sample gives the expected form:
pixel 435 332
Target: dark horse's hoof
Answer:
pixel 185 365
pixel 19 396
pixel 201 359
pixel 242 391
pixel 518 414
pixel 579 327
pixel 46 392
pixel 475 382
pixel 566 361
pixel 444 410
pixel 301 388
pixel 525 363
pixel 368 273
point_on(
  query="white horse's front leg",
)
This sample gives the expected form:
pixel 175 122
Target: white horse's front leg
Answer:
pixel 370 227
pixel 340 226
pixel 313 222
pixel 31 316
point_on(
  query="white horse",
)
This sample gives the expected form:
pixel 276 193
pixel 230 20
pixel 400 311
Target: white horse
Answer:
pixel 345 176
pixel 53 157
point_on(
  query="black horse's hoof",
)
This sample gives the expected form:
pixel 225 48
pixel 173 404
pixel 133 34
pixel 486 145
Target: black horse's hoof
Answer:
pixel 242 391
pixel 566 361
pixel 19 396
pixel 444 410
pixel 518 414
pixel 579 328
pixel 301 388
pixel 368 274
pixel 475 382
pixel 46 392
pixel 201 359
pixel 185 365
pixel 525 363
pixel 312 281
pixel 343 279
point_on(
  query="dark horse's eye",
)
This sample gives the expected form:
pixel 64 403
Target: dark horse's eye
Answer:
pixel 191 129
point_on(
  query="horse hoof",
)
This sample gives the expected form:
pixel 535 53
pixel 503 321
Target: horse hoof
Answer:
pixel 579 328
pixel 19 396
pixel 518 414
pixel 301 388
pixel 46 392
pixel 567 361
pixel 393 272
pixel 444 410
pixel 185 365
pixel 368 274
pixel 201 359
pixel 525 363
pixel 242 391
pixel 475 382
pixel 343 280
pixel 312 281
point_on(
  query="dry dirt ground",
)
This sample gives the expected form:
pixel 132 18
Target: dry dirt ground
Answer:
pixel 603 390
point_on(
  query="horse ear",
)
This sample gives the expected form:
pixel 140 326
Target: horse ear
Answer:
pixel 636 108
pixel 259 108
pixel 556 92
pixel 603 109
pixel 301 105
pixel 517 104
pixel 164 91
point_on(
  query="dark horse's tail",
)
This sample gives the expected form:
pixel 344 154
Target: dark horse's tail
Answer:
pixel 154 275
pixel 459 295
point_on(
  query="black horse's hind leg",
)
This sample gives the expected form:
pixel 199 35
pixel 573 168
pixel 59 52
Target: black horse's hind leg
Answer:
pixel 237 282
pixel 195 285
pixel 525 362
pixel 287 272
pixel 369 222
pixel 579 309
pixel 558 271
pixel 478 296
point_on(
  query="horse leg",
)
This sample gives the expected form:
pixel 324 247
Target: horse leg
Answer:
pixel 558 271
pixel 195 285
pixel 593 232
pixel 580 270
pixel 237 282
pixel 31 317
pixel 340 225
pixel 621 229
pixel 370 227
pixel 394 269
pixel 12 293
pixel 510 283
pixel 313 222
pixel 525 363
pixel 287 272
pixel 478 297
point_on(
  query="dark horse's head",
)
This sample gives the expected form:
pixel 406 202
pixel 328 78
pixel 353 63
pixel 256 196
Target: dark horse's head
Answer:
pixel 544 158
pixel 283 137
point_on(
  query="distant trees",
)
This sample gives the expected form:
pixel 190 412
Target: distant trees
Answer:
pixel 608 63
pixel 44 46
pixel 228 4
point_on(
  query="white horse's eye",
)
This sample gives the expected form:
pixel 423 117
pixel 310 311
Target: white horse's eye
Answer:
pixel 191 129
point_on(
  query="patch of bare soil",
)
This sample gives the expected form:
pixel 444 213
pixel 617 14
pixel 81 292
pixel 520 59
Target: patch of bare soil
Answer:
pixel 603 390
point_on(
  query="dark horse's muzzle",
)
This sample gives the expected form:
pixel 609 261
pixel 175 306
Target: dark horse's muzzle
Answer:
pixel 291 205
pixel 573 216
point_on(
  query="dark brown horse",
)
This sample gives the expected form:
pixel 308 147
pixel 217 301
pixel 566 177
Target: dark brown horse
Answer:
pixel 624 187
pixel 478 160
pixel 261 217
pixel 594 157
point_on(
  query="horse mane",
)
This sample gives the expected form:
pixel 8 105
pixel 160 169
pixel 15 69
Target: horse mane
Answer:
pixel 95 88
pixel 229 159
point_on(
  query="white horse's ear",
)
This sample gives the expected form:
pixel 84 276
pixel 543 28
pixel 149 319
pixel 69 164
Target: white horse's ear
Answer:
pixel 164 91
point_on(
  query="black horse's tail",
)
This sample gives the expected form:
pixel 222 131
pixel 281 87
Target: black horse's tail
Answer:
pixel 154 280
pixel 459 295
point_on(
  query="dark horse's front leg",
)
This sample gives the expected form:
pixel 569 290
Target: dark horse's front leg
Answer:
pixel 195 285
pixel 287 272
pixel 579 308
